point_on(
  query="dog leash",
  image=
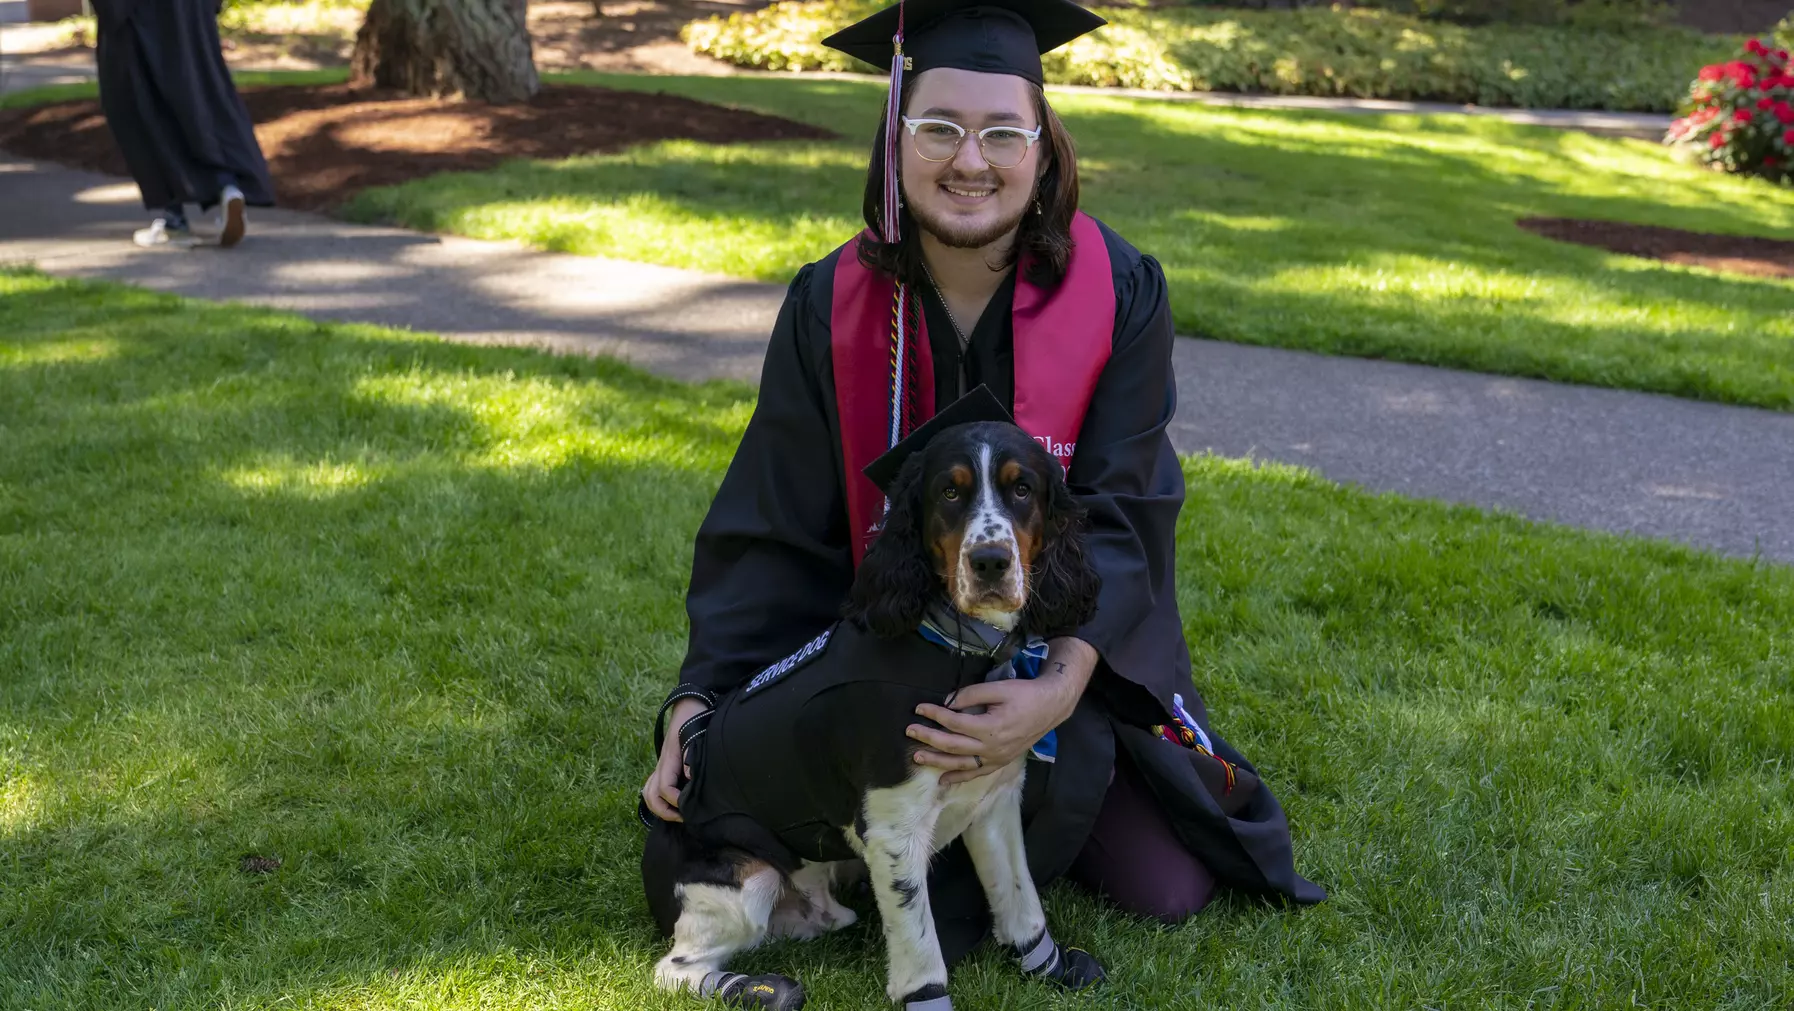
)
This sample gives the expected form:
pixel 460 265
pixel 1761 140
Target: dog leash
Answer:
pixel 689 731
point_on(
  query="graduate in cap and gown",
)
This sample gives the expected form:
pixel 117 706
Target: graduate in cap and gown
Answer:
pixel 978 269
pixel 182 127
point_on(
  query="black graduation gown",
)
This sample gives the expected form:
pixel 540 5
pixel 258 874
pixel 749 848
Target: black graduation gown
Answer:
pixel 171 104
pixel 772 565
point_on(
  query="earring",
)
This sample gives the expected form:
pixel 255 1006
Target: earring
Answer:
pixel 1037 211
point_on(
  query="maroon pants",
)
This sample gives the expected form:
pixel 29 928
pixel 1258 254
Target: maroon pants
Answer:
pixel 1134 860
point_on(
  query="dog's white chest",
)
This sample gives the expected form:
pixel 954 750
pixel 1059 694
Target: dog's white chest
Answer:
pixel 962 803
pixel 931 815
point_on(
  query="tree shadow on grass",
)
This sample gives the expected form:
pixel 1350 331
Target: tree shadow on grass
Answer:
pixel 754 210
pixel 1339 255
pixel 1469 187
pixel 390 611
pixel 327 657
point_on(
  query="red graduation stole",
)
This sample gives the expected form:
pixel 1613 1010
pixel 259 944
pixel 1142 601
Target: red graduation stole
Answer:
pixel 1063 338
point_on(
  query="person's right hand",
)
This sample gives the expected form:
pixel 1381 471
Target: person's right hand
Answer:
pixel 661 791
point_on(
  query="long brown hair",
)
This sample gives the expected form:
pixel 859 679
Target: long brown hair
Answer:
pixel 1044 237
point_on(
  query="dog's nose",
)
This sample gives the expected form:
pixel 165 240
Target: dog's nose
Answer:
pixel 990 563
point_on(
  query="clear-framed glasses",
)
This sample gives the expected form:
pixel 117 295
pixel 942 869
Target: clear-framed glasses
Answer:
pixel 939 139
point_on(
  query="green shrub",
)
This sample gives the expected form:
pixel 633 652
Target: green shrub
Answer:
pixel 320 19
pixel 1314 51
pixel 785 36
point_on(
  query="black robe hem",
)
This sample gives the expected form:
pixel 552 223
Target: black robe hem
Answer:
pixel 172 106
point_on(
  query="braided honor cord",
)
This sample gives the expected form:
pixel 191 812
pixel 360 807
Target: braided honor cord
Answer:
pixel 903 356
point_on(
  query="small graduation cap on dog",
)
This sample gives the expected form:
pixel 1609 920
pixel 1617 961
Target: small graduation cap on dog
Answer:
pixel 989 36
pixel 979 405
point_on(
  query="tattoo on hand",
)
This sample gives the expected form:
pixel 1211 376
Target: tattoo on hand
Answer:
pixel 1058 666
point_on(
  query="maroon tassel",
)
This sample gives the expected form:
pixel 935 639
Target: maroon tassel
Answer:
pixel 892 230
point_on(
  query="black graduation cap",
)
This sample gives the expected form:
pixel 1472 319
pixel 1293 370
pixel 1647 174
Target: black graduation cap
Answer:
pixel 992 36
pixel 979 405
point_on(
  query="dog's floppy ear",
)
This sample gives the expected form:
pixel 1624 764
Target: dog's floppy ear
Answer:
pixel 1065 585
pixel 896 578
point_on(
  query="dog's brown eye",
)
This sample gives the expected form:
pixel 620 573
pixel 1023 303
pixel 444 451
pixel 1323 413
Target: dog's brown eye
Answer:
pixel 1022 490
pixel 951 494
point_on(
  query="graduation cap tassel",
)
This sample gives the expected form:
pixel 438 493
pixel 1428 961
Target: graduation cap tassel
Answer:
pixel 893 126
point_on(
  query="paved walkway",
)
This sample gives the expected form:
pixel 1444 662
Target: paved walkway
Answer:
pixel 24 64
pixel 686 325
pixel 19 73
pixel 1719 477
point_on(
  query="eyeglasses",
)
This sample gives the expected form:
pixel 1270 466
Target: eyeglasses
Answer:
pixel 1003 147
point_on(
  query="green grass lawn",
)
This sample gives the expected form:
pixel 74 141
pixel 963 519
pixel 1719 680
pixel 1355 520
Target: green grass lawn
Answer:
pixel 396 612
pixel 1376 236
pixel 245 78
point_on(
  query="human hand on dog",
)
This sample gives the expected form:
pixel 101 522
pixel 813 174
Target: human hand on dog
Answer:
pixel 661 791
pixel 1015 715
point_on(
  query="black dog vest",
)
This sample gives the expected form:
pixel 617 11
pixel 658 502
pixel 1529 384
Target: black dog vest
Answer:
pixel 782 764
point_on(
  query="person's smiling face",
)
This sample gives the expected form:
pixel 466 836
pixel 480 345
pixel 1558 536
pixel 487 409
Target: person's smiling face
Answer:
pixel 966 202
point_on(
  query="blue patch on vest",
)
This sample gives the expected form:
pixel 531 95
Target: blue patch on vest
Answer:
pixel 810 651
pixel 1027 665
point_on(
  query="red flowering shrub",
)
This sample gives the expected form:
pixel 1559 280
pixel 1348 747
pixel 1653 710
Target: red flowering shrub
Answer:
pixel 1740 115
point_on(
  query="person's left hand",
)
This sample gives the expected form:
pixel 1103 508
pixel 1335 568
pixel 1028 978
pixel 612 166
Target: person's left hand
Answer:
pixel 1017 714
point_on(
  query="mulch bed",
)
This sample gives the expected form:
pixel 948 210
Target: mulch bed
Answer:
pixel 1733 254
pixel 327 143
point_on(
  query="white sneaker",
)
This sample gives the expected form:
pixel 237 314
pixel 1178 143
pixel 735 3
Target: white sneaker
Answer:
pixel 231 222
pixel 161 233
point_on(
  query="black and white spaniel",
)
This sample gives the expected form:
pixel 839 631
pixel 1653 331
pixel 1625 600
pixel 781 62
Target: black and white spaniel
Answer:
pixel 805 774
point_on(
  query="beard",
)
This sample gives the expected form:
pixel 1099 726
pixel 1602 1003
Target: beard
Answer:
pixel 954 235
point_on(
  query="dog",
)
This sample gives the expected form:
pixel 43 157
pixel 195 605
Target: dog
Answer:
pixel 805 778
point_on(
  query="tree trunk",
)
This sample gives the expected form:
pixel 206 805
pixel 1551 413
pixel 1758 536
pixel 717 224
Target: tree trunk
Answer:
pixel 477 49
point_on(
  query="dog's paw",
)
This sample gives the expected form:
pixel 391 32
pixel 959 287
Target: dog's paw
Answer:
pixel 1080 970
pixel 1071 968
pixel 765 993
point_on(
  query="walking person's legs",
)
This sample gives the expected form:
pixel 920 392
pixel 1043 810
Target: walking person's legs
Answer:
pixel 122 98
pixel 184 131
pixel 170 228
pixel 231 220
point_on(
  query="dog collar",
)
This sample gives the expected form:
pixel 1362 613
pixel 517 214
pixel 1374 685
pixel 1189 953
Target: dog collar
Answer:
pixel 945 625
pixel 1012 654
